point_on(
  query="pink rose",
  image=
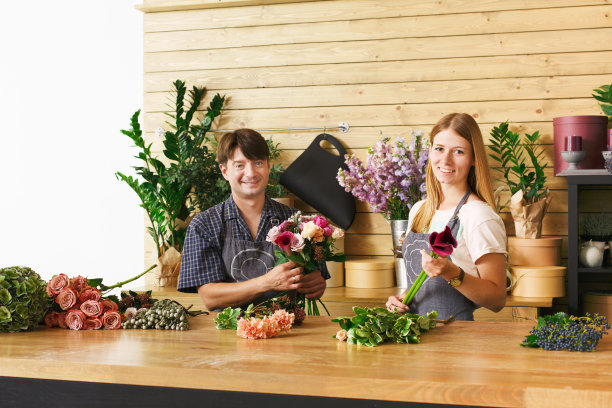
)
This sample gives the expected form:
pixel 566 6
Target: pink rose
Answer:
pixel 320 221
pixel 108 304
pixel 341 335
pixel 61 320
pixel 75 319
pixel 90 294
pixel 273 234
pixel 49 319
pixel 57 284
pixel 297 243
pixel 78 283
pixel 111 320
pixel 327 231
pixel 92 308
pixel 284 241
pixel 93 323
pixel 66 298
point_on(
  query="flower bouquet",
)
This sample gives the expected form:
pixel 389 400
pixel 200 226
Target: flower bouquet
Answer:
pixel 79 303
pixel 256 322
pixel 393 178
pixel 308 241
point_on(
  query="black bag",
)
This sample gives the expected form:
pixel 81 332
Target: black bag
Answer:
pixel 312 177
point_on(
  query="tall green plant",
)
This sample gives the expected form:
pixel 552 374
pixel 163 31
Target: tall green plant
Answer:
pixel 513 154
pixel 604 94
pixel 164 189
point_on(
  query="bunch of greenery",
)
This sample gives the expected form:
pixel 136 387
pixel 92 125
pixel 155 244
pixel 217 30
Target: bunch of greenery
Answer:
pixel 374 326
pixel 170 192
pixel 597 227
pixel 604 94
pixel 23 299
pixel 275 188
pixel 512 154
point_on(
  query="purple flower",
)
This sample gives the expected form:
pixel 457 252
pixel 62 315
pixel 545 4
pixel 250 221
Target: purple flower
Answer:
pixel 443 243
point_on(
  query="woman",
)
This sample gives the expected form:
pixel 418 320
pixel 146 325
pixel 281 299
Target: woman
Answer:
pixel 459 195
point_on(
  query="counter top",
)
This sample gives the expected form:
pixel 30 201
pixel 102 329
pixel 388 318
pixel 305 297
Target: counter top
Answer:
pixel 463 363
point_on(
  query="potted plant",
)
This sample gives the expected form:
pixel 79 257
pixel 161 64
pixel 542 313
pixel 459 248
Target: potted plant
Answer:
pixel 186 178
pixel 522 165
pixel 275 190
pixel 391 181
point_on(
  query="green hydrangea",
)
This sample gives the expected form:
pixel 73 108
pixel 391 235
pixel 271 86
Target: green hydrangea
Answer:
pixel 23 299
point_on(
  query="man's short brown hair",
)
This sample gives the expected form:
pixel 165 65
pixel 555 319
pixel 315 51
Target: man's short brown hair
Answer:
pixel 251 143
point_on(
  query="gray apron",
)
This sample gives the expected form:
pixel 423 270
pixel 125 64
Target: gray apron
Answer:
pixel 244 260
pixel 435 293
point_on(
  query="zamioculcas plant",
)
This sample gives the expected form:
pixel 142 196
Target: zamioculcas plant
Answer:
pixel 522 164
pixel 604 95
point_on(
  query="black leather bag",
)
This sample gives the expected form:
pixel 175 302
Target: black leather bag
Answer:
pixel 312 177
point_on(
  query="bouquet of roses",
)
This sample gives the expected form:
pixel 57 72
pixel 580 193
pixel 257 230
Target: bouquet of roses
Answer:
pixel 79 303
pixel 393 178
pixel 308 241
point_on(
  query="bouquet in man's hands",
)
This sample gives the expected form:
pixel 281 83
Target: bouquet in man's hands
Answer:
pixel 308 241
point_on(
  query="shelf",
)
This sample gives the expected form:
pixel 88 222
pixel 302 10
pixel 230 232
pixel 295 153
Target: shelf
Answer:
pixel 601 269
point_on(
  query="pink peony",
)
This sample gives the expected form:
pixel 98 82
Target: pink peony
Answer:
pixel 328 231
pixel 57 284
pixel 320 221
pixel 341 335
pixel 297 243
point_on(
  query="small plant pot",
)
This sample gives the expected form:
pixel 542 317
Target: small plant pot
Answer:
pixel 534 251
pixel 538 281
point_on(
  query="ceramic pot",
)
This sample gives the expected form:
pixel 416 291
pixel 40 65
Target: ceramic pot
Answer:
pixel 591 253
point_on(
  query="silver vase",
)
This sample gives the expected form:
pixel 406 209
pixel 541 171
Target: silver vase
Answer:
pixel 398 228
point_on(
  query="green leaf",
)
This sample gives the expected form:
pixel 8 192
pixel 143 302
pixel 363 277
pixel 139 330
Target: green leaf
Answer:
pixel 94 283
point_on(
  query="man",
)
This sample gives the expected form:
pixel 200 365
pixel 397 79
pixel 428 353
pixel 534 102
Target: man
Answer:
pixel 226 257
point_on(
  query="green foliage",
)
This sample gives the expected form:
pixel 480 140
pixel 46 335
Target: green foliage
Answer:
pixel 274 188
pixel 166 191
pixel 23 299
pixel 604 95
pixel 374 326
pixel 514 156
pixel 228 318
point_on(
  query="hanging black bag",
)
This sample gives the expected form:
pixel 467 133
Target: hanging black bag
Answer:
pixel 312 177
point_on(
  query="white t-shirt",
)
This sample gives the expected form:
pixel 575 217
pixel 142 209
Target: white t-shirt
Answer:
pixel 481 232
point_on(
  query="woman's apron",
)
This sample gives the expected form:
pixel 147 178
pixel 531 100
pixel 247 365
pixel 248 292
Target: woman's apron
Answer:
pixel 244 260
pixel 435 293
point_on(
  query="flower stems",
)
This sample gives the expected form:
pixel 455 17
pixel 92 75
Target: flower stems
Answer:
pixel 106 289
pixel 417 284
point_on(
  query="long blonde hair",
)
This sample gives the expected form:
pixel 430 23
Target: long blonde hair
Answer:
pixel 479 177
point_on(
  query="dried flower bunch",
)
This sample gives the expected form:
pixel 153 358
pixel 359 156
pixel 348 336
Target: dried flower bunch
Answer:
pixel 393 177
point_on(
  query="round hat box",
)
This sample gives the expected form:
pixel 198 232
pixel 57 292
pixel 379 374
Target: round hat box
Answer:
pixel 598 302
pixel 538 281
pixel 369 273
pixel 336 269
pixel 534 252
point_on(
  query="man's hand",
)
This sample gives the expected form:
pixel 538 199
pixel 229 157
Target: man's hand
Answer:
pixel 283 277
pixel 312 284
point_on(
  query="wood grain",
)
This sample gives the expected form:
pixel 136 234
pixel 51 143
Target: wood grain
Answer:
pixel 464 363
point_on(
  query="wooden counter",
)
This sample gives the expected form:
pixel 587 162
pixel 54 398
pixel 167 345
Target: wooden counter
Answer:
pixel 340 301
pixel 463 363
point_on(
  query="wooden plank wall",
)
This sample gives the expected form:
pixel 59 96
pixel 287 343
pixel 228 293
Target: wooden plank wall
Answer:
pixel 383 66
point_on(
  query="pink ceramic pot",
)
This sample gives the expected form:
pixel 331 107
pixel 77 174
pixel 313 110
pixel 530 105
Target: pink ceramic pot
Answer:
pixel 593 130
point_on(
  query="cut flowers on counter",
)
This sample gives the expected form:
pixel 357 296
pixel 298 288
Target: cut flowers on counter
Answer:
pixel 308 241
pixel 268 319
pixel 393 177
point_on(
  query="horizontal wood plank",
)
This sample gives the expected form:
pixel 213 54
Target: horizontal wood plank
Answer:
pixel 168 20
pixel 513 66
pixel 506 89
pixel 595 39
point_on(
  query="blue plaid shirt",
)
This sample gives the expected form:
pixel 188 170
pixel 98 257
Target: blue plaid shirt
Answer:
pixel 202 262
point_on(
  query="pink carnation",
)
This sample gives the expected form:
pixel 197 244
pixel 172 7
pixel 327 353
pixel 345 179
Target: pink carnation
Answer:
pixel 283 319
pixel 254 328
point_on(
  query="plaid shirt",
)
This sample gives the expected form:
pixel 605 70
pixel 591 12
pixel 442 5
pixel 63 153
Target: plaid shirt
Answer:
pixel 202 262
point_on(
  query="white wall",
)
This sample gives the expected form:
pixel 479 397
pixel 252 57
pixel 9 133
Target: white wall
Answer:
pixel 70 78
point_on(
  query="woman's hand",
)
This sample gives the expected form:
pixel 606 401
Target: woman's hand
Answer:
pixel 394 304
pixel 440 266
pixel 312 284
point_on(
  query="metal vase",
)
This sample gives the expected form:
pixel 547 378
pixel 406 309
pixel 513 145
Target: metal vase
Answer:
pixel 398 228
